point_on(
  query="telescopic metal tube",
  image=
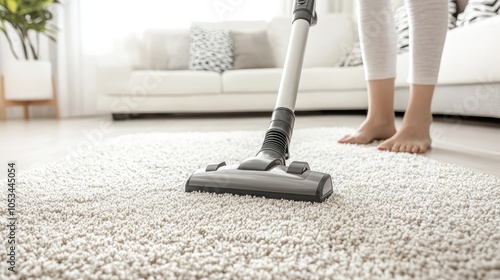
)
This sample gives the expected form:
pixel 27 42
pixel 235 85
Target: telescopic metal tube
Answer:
pixel 290 78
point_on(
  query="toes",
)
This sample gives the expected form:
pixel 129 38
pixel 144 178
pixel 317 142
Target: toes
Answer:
pixel 423 148
pixel 415 149
pixel 395 147
pixel 402 148
pixel 344 139
pixel 354 139
pixel 385 146
pixel 409 148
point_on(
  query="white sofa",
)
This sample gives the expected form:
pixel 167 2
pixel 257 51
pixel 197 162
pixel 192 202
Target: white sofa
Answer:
pixel 469 81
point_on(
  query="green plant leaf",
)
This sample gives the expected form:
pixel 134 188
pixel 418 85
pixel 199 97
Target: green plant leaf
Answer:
pixel 45 3
pixel 27 17
pixel 52 38
pixel 12 5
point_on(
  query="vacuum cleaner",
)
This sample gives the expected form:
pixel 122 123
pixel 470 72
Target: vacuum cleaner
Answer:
pixel 266 174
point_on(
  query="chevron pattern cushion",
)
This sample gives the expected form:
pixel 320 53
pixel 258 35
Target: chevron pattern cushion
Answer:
pixel 352 57
pixel 210 50
pixel 477 10
pixel 402 28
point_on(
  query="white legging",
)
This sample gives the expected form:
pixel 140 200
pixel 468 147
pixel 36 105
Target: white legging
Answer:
pixel 428 26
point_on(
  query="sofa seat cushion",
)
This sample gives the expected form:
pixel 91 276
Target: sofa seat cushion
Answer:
pixel 251 80
pixel 312 79
pixel 174 82
pixel 333 79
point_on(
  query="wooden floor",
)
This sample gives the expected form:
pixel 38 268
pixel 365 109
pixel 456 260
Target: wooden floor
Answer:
pixel 35 143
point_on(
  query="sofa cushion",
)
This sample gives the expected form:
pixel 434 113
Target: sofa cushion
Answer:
pixel 470 53
pixel 461 4
pixel 312 79
pixel 353 57
pixel 333 79
pixel 210 50
pixel 173 82
pixel 251 80
pixel 252 50
pixel 402 28
pixel 477 10
pixel 325 44
pixel 166 49
pixel 452 14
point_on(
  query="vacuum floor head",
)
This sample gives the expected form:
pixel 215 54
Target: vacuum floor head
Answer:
pixel 294 182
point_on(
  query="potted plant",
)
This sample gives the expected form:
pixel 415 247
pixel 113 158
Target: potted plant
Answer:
pixel 27 78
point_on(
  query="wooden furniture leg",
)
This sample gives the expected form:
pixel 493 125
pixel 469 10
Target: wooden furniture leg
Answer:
pixel 54 98
pixel 26 110
pixel 3 109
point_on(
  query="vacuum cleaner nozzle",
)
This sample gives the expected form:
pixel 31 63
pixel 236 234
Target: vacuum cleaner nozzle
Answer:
pixel 266 173
pixel 295 182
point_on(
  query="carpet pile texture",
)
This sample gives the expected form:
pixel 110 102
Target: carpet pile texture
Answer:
pixel 120 212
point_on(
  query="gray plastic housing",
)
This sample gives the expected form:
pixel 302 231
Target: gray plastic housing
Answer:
pixel 278 182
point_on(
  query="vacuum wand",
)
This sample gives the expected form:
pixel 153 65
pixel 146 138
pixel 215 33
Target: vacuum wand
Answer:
pixel 281 127
pixel 304 16
pixel 266 174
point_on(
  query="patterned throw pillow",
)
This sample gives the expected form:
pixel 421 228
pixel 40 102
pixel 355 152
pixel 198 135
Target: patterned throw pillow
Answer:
pixel 353 57
pixel 477 10
pixel 210 50
pixel 452 11
pixel 402 28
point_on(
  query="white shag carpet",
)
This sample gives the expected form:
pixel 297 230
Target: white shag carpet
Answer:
pixel 121 212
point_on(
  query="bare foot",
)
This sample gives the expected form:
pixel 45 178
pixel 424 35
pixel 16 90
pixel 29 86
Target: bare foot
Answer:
pixel 369 131
pixel 413 137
